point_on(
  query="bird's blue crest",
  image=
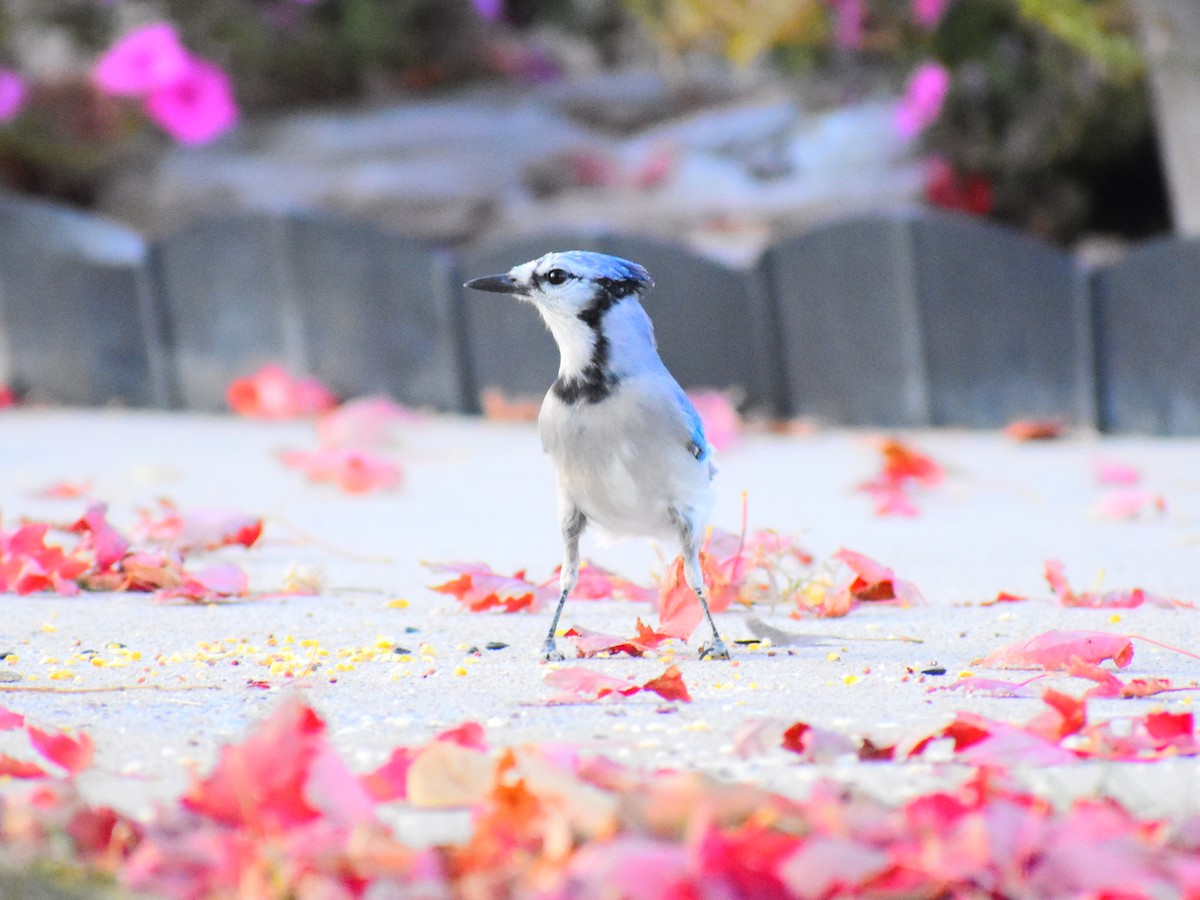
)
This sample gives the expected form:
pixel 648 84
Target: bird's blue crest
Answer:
pixel 596 267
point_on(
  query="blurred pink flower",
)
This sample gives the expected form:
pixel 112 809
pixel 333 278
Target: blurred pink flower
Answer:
pixel 196 107
pixel 923 99
pixel 849 17
pixel 12 94
pixel 492 10
pixel 928 13
pixel 145 60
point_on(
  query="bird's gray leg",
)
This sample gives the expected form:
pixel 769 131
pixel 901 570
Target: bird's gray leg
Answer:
pixel 573 523
pixel 694 576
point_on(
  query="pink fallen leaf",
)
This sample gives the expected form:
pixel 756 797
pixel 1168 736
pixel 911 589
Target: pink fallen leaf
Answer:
pixel 1111 472
pixel 874 581
pixel 592 643
pixel 271 392
pixel 64 490
pixel 577 683
pixel 1054 650
pixel 478 588
pixel 74 754
pixel 354 471
pixel 1129 503
pixel 10 720
pixel 365 422
pixel 992 687
pixel 1131 598
pixel 216 582
pixel 335 792
pixel 12 767
pixel 200 529
pixel 100 537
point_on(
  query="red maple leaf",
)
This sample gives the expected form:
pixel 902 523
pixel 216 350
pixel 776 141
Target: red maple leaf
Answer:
pixel 73 754
pixel 28 564
pixel 669 685
pixel 478 588
pixel 260 783
pixel 903 468
pixel 271 392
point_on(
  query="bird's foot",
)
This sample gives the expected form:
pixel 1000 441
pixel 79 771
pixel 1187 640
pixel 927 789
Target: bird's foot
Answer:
pixel 550 652
pixel 714 649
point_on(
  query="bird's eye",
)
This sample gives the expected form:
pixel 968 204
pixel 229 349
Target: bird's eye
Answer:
pixel 556 276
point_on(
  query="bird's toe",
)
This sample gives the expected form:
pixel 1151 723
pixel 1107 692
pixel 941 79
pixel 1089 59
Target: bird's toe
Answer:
pixel 551 653
pixel 714 650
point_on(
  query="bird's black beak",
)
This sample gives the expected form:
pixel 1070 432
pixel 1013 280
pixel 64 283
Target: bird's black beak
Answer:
pixel 496 284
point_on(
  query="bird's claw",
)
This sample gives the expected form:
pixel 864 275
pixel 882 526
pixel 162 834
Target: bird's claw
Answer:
pixel 714 649
pixel 550 652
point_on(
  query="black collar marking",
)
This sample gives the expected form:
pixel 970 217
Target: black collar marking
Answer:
pixel 596 382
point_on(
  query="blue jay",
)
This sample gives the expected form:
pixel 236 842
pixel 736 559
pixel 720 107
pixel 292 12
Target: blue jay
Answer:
pixel 628 447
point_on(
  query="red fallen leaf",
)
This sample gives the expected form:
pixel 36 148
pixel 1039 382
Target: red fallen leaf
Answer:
pixel 10 720
pixel 72 754
pixel 216 582
pixel 669 685
pixel 19 768
pixel 201 529
pixel 469 734
pixel 577 683
pixel 1125 599
pixel 1116 473
pixel 28 564
pixel 1004 597
pixel 64 490
pixel 591 643
pixel 903 467
pixel 390 781
pixel 260 784
pixel 820 745
pixel 354 471
pixel 478 588
pixel 678 609
pixel 335 792
pixel 100 537
pixel 1034 429
pixel 1167 726
pixel 722 423
pixel 875 581
pixel 1060 649
pixel 272 392
pixel 1129 503
pixel 7 397
pixel 365 422
pixel 1109 685
pixel 649 638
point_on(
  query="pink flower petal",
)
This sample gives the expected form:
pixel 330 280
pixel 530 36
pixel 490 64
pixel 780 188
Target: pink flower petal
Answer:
pixel 145 60
pixel 923 99
pixel 12 94
pixel 196 107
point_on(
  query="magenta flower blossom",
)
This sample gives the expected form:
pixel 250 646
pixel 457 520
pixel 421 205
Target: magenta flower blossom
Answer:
pixel 145 60
pixel 196 107
pixel 492 10
pixel 849 18
pixel 927 13
pixel 923 99
pixel 12 94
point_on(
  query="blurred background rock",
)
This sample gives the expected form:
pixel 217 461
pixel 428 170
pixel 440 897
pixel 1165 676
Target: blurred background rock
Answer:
pixel 719 123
